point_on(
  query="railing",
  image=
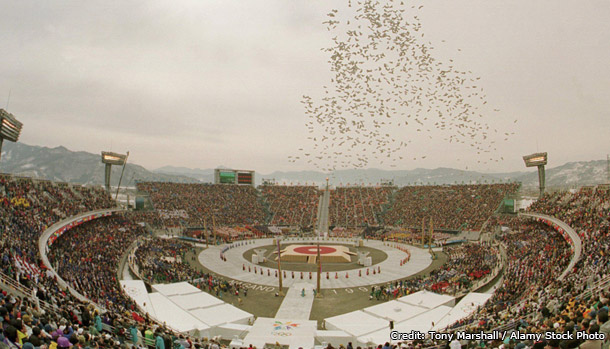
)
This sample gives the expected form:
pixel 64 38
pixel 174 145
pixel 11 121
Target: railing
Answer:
pixel 43 248
pixel 7 283
pixel 600 285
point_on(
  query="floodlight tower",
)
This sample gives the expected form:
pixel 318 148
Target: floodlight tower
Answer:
pixel 537 160
pixel 10 128
pixel 110 158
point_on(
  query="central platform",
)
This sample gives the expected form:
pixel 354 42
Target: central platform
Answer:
pixel 308 253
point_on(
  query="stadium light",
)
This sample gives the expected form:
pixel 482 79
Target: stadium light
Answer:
pixel 537 160
pixel 10 128
pixel 110 158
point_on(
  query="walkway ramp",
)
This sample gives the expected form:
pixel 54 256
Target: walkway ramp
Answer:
pixel 296 306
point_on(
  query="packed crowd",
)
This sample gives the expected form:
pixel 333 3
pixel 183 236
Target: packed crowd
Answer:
pixel 411 236
pixel 54 318
pixel 292 205
pixel 87 258
pixel 357 206
pixel 26 326
pixel 466 264
pixel 532 298
pixel 190 204
pixel 27 208
pixel 163 261
pixel 456 207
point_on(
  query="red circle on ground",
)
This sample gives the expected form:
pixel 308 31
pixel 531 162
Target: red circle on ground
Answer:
pixel 314 250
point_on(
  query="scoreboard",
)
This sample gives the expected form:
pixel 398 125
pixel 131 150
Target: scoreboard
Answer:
pixel 227 176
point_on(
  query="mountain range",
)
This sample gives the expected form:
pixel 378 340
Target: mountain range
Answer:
pixel 61 164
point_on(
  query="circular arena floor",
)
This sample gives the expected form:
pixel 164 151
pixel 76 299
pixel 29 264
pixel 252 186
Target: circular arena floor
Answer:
pixel 390 268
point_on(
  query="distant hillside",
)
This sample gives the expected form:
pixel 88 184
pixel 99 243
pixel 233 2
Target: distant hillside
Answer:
pixel 206 175
pixel 61 164
pixel 569 175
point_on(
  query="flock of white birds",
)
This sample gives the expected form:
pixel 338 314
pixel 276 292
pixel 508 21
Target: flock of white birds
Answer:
pixel 387 85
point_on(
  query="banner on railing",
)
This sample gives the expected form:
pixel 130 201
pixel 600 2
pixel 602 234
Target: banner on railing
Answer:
pixel 59 232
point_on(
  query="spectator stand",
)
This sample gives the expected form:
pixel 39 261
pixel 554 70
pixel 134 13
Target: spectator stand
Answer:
pixel 567 232
pixel 51 233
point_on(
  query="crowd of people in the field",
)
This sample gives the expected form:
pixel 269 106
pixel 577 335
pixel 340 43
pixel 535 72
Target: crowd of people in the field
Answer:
pixel 357 206
pixel 466 264
pixel 163 260
pixel 457 207
pixel 198 205
pixel 411 236
pixel 295 205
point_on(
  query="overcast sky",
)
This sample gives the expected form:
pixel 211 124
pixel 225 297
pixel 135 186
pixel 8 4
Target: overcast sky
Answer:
pixel 207 83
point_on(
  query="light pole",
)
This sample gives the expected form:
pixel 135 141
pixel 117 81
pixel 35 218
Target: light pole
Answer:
pixel 279 264
pixel 10 128
pixel 537 160
pixel 318 293
pixel 109 159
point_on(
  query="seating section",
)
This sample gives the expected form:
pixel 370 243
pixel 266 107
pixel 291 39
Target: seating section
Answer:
pixel 191 204
pixel 529 297
pixel 292 205
pixel 87 257
pixel 454 207
pixel 357 206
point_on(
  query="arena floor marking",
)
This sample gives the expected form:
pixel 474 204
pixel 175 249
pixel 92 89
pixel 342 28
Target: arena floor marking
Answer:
pixel 390 268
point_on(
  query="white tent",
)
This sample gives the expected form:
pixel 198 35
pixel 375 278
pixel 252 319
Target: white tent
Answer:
pixel 230 331
pixel 422 323
pixel 465 307
pixel 178 288
pixel 428 299
pixel 195 300
pixel 222 314
pixel 395 310
pixel 356 323
pixel 136 289
pixel 174 316
pixel 335 338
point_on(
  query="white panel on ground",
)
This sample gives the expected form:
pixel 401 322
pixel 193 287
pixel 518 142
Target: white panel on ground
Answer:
pixel 428 299
pixel 222 314
pixel 231 331
pixel 465 307
pixel 178 288
pixel 174 316
pixel 395 310
pixel 195 300
pixel 293 333
pixel 295 305
pixel 422 323
pixel 136 289
pixel 356 323
pixel 336 338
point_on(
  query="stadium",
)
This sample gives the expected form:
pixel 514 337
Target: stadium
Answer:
pixel 98 252
pixel 70 252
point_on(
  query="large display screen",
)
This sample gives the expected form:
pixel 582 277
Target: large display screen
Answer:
pixel 244 178
pixel 227 177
